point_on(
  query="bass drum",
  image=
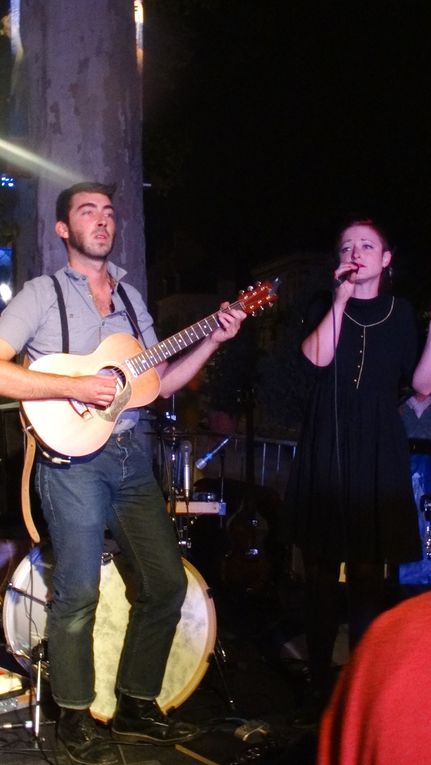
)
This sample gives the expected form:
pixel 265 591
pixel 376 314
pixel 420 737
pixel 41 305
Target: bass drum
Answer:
pixel 25 608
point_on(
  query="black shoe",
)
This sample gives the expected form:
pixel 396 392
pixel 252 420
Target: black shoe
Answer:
pixel 78 733
pixel 138 720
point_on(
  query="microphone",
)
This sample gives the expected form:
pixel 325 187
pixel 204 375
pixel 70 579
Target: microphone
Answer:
pixel 343 277
pixel 202 462
pixel 186 449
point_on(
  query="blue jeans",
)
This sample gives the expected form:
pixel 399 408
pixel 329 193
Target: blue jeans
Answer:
pixel 113 489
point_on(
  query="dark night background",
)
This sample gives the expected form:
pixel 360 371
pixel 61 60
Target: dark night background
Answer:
pixel 267 122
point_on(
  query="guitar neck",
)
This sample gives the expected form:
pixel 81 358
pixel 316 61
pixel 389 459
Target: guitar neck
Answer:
pixel 156 354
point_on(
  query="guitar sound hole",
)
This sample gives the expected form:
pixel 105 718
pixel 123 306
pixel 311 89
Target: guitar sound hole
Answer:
pixel 117 373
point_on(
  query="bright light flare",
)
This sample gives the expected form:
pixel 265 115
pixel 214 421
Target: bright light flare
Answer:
pixel 5 292
pixel 33 163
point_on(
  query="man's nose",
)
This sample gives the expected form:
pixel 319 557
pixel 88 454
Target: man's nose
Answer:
pixel 355 252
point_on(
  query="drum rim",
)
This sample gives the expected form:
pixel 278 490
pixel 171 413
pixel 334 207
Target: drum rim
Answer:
pixel 208 650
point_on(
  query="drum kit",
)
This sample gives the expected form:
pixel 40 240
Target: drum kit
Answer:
pixel 27 597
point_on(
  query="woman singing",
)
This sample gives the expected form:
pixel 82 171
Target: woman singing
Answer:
pixel 349 493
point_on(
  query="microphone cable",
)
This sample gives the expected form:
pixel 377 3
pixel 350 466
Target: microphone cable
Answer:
pixel 336 398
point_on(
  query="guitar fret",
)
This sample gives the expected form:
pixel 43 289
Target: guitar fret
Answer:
pixel 195 335
pixel 198 331
pixel 133 366
pixel 170 341
pixel 157 352
pixel 141 362
pixel 207 328
pixel 179 340
pixel 151 358
pixel 164 350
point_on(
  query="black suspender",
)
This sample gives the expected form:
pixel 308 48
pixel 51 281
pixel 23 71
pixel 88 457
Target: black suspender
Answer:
pixel 63 315
pixel 130 311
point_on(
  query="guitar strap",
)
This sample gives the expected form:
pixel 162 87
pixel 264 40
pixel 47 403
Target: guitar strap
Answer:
pixel 29 456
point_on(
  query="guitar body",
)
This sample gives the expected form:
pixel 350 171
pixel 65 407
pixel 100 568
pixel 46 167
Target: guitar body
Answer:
pixel 73 429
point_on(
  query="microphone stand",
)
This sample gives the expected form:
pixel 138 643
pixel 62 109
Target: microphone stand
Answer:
pixel 222 509
pixel 169 434
pixel 172 463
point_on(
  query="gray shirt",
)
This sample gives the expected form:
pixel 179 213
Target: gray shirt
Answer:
pixel 31 321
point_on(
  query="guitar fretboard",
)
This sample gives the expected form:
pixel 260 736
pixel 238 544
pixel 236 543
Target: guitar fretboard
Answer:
pixel 151 357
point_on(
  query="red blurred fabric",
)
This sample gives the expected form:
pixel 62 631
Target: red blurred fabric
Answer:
pixel 380 711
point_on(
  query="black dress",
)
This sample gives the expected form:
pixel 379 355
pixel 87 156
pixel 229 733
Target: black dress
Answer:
pixel 349 495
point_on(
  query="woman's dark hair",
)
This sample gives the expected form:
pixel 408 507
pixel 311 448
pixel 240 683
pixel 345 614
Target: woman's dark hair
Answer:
pixel 64 199
pixel 364 221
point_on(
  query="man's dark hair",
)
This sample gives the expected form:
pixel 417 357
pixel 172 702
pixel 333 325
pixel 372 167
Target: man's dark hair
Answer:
pixel 64 199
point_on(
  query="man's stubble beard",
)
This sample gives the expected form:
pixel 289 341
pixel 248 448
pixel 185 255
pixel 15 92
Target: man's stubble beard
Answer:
pixel 92 253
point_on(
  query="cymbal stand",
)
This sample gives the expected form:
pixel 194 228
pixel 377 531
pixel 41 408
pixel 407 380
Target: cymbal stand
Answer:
pixel 40 652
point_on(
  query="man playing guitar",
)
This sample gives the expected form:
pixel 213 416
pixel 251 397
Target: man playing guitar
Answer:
pixel 108 486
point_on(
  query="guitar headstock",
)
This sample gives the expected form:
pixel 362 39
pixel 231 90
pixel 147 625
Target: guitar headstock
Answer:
pixel 254 299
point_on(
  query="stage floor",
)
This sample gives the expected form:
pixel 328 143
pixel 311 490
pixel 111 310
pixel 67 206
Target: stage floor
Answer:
pixel 245 704
pixel 257 728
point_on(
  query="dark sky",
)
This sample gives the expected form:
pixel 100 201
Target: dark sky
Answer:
pixel 268 122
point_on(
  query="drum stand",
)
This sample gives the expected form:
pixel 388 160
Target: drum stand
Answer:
pixel 39 652
pixel 220 660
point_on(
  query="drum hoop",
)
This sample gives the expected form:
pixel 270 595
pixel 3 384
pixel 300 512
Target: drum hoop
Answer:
pixel 208 650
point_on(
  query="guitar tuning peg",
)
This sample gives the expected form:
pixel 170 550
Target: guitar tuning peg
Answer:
pixel 258 284
pixel 250 288
pixel 241 292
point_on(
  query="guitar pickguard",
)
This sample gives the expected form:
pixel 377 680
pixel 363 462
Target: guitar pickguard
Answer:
pixel 112 412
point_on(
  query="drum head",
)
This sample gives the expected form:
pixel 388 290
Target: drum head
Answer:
pixel 191 649
pixel 25 604
pixel 25 624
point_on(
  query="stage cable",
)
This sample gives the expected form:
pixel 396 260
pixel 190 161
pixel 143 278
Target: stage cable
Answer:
pixel 337 431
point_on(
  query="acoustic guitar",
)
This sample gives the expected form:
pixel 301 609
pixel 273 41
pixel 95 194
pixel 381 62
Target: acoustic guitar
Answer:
pixel 75 429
